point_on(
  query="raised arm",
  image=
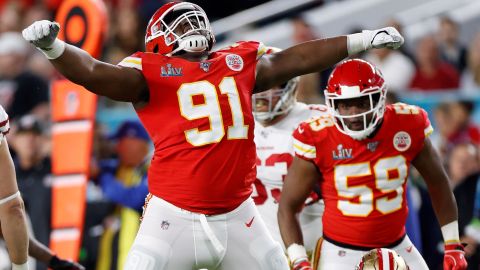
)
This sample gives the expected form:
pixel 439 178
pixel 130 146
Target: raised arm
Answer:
pixel 317 55
pixel 113 81
pixel 429 165
pixel 298 185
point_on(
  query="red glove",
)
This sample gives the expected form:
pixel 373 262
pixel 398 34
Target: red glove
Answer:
pixel 302 264
pixel 454 258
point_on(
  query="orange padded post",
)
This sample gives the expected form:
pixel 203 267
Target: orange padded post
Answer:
pixel 83 24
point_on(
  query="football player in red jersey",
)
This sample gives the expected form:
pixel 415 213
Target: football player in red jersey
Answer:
pixel 12 211
pixel 363 152
pixel 196 105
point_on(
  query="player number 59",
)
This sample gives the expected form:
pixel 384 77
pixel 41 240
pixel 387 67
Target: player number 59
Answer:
pixel 390 175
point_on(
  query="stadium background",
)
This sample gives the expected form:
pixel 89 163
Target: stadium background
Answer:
pixel 451 27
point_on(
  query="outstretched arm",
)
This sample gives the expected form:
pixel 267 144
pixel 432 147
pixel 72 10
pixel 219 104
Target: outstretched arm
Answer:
pixel 12 212
pixel 43 254
pixel 113 81
pixel 317 55
pixel 427 162
pixel 298 185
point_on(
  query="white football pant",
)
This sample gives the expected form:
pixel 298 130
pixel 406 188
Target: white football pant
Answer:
pixel 171 238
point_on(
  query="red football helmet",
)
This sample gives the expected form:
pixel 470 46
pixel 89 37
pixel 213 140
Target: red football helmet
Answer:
pixel 164 33
pixel 353 79
pixel 382 259
pixel 286 94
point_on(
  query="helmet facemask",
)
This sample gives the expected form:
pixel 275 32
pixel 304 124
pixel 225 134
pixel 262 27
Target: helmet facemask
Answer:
pixel 376 97
pixel 198 38
pixel 280 101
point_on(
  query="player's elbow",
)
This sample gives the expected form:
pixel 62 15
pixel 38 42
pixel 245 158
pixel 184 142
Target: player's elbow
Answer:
pixel 14 209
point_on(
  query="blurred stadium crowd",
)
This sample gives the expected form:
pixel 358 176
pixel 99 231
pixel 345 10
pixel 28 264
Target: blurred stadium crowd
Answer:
pixel 440 74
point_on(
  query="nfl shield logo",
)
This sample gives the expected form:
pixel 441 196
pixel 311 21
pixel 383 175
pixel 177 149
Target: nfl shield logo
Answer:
pixel 205 66
pixel 372 146
pixel 165 224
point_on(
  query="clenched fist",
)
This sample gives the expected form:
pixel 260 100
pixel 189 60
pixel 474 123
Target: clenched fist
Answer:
pixel 387 37
pixel 43 34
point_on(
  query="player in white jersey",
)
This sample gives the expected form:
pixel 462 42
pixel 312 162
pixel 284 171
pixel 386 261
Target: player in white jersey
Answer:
pixel 277 114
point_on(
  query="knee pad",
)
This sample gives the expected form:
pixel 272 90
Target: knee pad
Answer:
pixel 148 253
pixel 269 254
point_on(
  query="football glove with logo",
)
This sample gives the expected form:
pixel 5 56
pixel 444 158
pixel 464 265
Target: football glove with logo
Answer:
pixel 454 257
pixel 387 37
pixel 43 35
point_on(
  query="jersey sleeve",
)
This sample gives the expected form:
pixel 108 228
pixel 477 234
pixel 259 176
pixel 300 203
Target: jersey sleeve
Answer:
pixel 303 143
pixel 427 126
pixel 251 46
pixel 261 50
pixel 4 124
pixel 132 61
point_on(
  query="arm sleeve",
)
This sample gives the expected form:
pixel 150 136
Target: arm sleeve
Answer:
pixel 4 124
pixel 132 61
pixel 303 143
pixel 132 197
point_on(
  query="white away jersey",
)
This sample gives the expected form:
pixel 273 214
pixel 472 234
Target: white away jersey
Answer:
pixel 275 144
pixel 274 155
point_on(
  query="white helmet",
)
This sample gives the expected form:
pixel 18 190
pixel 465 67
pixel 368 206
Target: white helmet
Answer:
pixel 286 94
pixel 382 259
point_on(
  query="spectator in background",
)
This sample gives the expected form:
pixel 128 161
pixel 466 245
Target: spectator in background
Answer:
pixel 396 67
pixel 451 50
pixel 463 160
pixel 398 25
pixel 310 87
pixel 21 92
pixel 463 166
pixel 432 73
pixel 33 169
pixel 127 33
pixel 124 183
pixel 10 18
pixel 470 82
pixel 464 169
pixel 454 125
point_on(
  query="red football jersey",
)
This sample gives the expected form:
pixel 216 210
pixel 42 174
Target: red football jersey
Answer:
pixel 199 117
pixel 364 181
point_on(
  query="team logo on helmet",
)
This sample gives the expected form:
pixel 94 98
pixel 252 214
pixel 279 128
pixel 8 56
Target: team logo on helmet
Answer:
pixel 234 62
pixel 402 141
